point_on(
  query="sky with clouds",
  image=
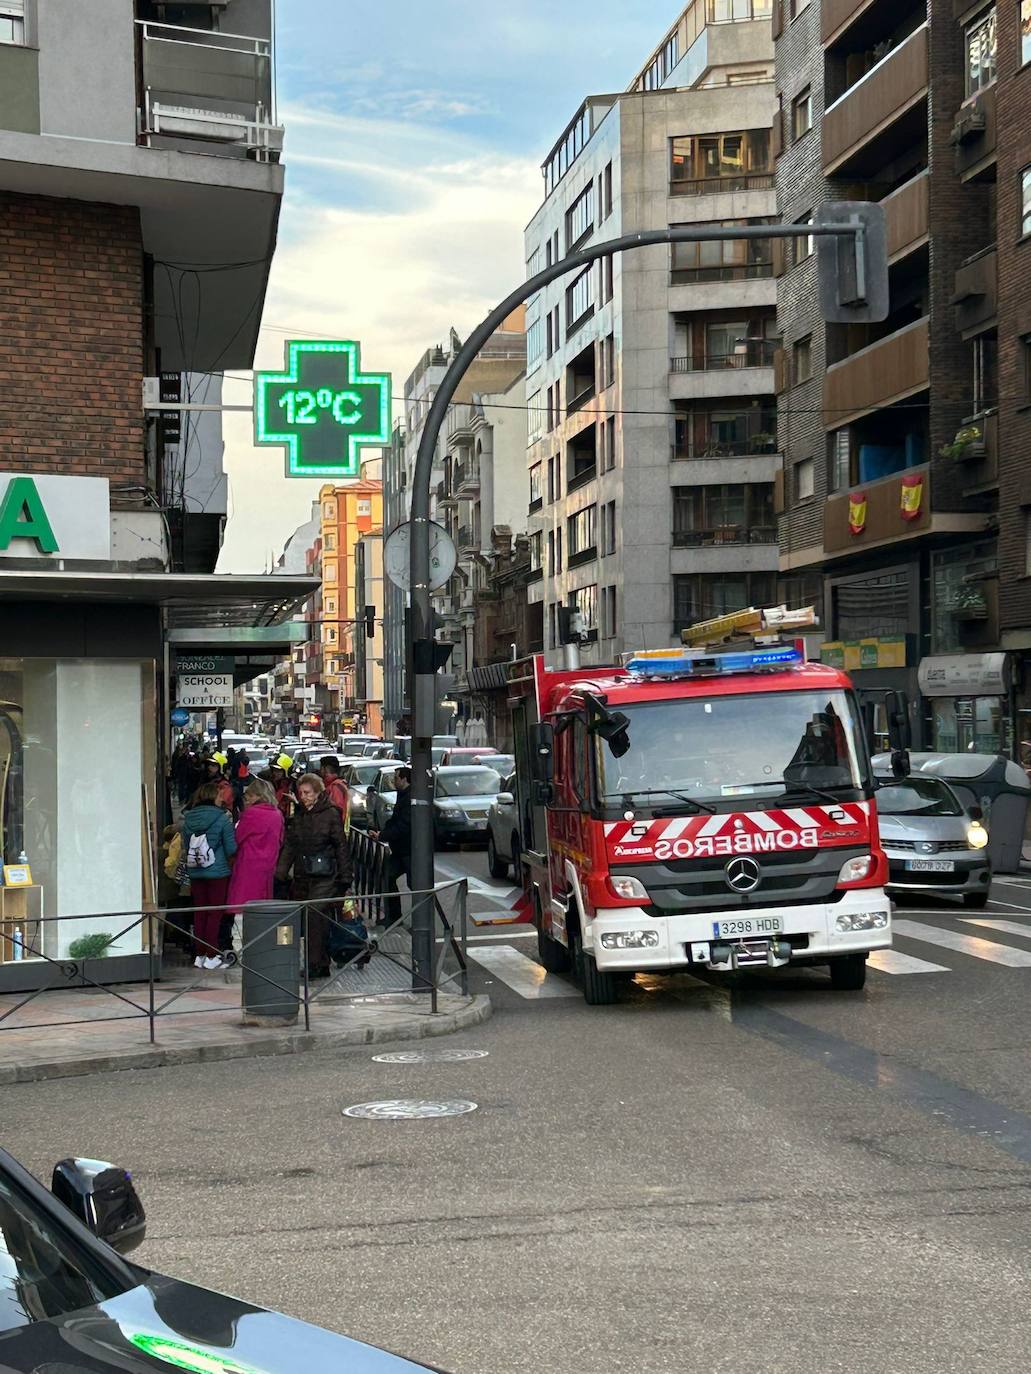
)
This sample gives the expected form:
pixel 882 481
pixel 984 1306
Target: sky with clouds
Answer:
pixel 415 135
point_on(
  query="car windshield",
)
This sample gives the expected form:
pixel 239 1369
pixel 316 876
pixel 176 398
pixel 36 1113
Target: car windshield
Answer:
pixel 43 1274
pixel 917 797
pixel 469 782
pixel 501 763
pixel 717 747
pixel 363 773
pixel 385 780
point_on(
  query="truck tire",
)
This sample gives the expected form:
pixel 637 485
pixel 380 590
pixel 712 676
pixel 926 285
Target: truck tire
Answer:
pixel 554 957
pixel 848 973
pixel 495 863
pixel 599 989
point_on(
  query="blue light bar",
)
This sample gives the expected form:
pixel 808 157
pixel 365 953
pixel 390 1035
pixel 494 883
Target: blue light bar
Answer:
pixel 674 665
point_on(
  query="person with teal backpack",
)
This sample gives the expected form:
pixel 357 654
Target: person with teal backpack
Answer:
pixel 209 844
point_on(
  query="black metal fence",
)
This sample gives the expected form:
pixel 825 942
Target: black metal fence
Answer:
pixel 368 899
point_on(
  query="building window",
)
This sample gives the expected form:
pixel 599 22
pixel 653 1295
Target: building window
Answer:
pixel 986 372
pixel 1025 201
pixel 722 259
pixel 579 300
pixel 1025 31
pixel 533 263
pixel 329 510
pixel 805 479
pixel 981 52
pixel 536 492
pixel 581 536
pixel 330 605
pixel 534 343
pixel 558 550
pixel 608 528
pixel 608 360
pixel 554 478
pixel 605 278
pixel 726 514
pixel 608 612
pixel 329 541
pixel 329 571
pixel 331 634
pixel 12 22
pixel 702 596
pixel 536 540
pixel 586 602
pixel 608 444
pixel 551 553
pixel 552 626
pixel 534 418
pixel 802 113
pixel 802 359
pixel 736 161
pixel 580 217
pixel 805 244
pixel 606 181
pixel 839 460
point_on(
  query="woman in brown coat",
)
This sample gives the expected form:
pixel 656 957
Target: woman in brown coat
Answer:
pixel 317 852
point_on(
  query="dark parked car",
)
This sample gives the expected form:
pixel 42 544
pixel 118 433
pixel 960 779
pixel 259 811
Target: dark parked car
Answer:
pixel 70 1302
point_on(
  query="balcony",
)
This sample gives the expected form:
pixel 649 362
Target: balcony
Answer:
pixel 465 478
pixel 883 111
pixel 746 434
pixel 975 293
pixel 974 136
pixel 745 372
pixel 878 375
pixel 837 15
pixel 724 534
pixel 209 87
pixel 459 422
pixel 750 355
pixel 905 213
pixel 884 518
pixel 467 540
pixel 720 186
pixel 582 556
pixel 976 447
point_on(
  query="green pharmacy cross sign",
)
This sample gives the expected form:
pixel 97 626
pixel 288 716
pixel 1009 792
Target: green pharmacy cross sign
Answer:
pixel 323 407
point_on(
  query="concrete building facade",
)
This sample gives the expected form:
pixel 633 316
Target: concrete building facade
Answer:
pixel 652 436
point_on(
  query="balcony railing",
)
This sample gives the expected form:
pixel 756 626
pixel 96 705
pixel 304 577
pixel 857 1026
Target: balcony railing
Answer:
pixel 741 271
pixel 580 399
pixel 217 88
pixel 467 537
pixel 465 477
pixel 884 517
pixel 580 479
pixel 885 371
pixel 581 556
pixel 711 186
pixel 725 534
pixel 713 446
pixel 975 292
pixel 891 88
pixel 755 355
pixel 737 11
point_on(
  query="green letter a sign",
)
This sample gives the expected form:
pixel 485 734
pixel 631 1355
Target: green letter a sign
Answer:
pixel 22 516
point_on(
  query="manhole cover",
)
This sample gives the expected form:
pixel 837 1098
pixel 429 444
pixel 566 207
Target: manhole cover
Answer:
pixel 408 1109
pixel 429 1056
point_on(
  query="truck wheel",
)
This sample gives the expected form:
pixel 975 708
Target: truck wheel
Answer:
pixel 599 989
pixel 848 972
pixel 498 867
pixel 978 900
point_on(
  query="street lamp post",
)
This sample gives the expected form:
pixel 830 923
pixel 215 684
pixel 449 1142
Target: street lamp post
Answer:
pixel 853 286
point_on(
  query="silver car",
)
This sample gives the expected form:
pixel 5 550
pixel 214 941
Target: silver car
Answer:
pixel 381 796
pixel 356 775
pixel 503 832
pixel 934 845
pixel 462 796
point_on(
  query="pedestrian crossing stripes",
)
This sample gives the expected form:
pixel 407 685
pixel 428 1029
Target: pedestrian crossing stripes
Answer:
pixel 964 944
pixel 894 961
pixel 521 973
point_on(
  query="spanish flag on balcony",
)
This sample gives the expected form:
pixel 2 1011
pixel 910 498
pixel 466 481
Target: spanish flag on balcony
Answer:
pixel 857 511
pixel 911 496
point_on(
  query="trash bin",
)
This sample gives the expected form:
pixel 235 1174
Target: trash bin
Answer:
pixel 270 987
pixel 999 787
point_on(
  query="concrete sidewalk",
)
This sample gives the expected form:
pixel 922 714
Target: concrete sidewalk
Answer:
pixel 73 1031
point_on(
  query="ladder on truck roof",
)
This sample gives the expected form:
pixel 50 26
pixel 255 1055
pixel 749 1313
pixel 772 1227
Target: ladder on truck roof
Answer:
pixel 750 624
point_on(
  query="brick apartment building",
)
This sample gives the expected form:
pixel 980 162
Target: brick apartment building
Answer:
pixel 899 438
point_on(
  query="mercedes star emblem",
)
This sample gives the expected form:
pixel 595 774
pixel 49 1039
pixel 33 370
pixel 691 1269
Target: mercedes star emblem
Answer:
pixel 742 874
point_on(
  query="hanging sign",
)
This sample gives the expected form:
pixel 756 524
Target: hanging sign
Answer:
pixel 322 408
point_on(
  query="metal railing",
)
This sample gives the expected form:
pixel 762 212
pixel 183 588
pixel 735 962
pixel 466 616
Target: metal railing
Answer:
pixel 709 186
pixel 724 534
pixel 390 942
pixel 741 271
pixel 754 355
pixel 710 446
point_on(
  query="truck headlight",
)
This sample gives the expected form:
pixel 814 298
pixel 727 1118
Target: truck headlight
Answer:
pixel 977 836
pixel 855 870
pixel 624 886
pixel 861 920
pixel 630 939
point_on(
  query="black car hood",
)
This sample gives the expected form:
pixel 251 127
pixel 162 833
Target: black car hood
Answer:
pixel 164 1324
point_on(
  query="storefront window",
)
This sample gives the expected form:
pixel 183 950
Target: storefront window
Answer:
pixel 77 760
pixel 976 725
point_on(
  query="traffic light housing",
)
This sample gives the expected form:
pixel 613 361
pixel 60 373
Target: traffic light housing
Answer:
pixel 852 269
pixel 370 621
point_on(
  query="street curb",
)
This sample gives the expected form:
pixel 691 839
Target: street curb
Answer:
pixel 261 1046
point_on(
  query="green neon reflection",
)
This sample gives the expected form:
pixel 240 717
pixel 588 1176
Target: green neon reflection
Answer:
pixel 192 1357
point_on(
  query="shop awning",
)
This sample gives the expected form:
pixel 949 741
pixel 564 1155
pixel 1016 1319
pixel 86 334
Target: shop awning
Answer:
pixel 224 612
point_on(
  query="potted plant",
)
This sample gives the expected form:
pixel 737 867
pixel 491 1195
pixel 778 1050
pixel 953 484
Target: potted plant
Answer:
pixel 968 443
pixel 90 946
pixel 970 603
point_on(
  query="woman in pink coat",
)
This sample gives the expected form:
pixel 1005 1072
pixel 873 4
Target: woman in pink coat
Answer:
pixel 259 838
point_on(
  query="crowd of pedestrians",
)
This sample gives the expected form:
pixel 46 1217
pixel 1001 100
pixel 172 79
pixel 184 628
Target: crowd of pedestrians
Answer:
pixel 245 838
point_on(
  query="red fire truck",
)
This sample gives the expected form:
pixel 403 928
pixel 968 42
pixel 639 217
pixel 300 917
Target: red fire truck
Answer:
pixel 697 809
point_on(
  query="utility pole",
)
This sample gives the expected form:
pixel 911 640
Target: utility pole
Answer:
pixel 853 276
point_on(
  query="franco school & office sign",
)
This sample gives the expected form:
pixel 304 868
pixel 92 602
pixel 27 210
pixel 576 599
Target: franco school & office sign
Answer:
pixel 204 682
pixel 51 518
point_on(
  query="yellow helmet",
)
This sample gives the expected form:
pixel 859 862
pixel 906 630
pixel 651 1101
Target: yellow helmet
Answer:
pixel 220 759
pixel 285 762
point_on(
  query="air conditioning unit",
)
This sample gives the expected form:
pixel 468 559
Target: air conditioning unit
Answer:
pixel 970 124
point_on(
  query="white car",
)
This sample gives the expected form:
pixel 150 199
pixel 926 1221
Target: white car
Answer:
pixel 503 832
pixel 356 775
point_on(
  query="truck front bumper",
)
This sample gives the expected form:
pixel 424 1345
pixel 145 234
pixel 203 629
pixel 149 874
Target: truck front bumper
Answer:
pixel 812 932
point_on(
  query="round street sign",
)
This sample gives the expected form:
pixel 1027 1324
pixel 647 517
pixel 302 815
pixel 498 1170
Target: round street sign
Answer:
pixel 397 553
pixel 180 716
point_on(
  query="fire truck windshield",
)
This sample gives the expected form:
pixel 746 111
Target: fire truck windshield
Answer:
pixel 760 744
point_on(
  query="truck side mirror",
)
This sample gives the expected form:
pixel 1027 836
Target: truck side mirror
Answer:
pixel 542 747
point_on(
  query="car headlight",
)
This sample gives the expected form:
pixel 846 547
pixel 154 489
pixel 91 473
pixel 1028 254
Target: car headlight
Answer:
pixel 630 939
pixel 449 808
pixel 977 836
pixel 357 801
pixel 625 886
pixel 855 870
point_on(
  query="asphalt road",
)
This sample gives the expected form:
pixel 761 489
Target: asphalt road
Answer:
pixel 757 1176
